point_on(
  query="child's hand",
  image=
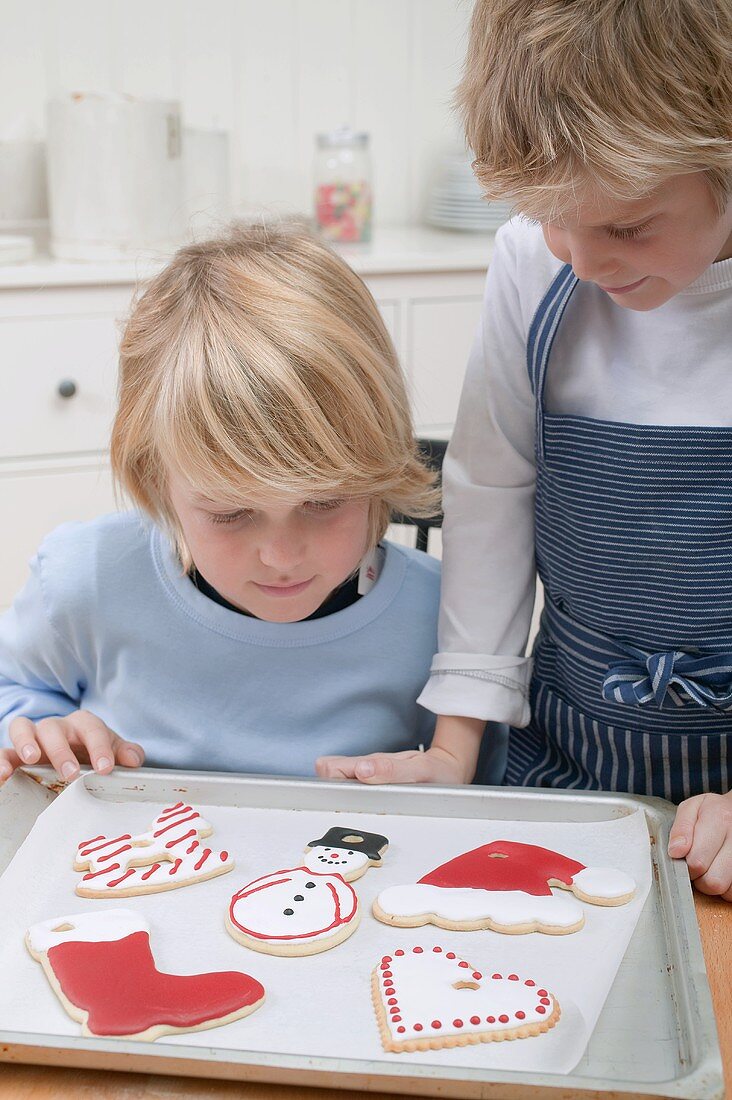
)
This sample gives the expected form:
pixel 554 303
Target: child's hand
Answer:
pixel 702 833
pixel 64 742
pixel 433 766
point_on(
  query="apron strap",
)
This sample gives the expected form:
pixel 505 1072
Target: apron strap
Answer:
pixel 542 331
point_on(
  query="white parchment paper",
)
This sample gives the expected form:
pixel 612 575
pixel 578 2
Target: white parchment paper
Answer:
pixel 321 1004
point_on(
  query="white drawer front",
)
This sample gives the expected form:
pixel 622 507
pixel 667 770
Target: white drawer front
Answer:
pixel 441 335
pixel 33 503
pixel 37 356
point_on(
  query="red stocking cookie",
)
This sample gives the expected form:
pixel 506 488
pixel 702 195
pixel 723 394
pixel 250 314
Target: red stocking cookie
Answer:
pixel 426 998
pixel 102 970
pixel 169 855
pixel 505 886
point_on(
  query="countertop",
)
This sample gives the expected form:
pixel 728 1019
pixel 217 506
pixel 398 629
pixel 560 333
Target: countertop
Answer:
pixel 394 250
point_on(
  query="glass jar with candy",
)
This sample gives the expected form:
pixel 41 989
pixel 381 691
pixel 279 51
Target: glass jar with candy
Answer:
pixel 343 195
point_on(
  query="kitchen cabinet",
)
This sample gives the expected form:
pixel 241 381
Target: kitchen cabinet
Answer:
pixel 60 325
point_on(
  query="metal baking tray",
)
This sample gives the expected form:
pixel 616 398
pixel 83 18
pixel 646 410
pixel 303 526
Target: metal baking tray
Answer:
pixel 663 1043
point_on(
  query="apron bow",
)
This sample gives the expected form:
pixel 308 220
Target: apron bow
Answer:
pixel 642 678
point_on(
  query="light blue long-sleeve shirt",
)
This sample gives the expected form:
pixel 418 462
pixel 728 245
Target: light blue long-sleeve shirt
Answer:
pixel 109 622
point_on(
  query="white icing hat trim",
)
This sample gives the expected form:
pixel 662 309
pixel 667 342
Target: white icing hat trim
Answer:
pixel 604 882
pixel 506 907
pixel 113 924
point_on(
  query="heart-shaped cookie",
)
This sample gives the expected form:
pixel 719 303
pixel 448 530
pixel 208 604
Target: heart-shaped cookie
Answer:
pixel 428 997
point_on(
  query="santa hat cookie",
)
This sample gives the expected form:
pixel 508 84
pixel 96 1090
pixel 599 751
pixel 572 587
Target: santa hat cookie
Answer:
pixel 308 909
pixel 347 851
pixel 427 998
pixel 170 854
pixel 506 886
pixel 101 968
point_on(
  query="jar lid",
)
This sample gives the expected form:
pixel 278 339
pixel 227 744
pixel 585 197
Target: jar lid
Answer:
pixel 344 135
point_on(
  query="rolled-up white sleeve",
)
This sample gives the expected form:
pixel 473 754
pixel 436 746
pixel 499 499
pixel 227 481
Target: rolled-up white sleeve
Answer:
pixel 488 577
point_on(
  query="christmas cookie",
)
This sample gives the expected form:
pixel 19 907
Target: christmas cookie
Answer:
pixel 348 852
pixel 101 968
pixel 169 855
pixel 505 886
pixel 426 998
pixel 293 912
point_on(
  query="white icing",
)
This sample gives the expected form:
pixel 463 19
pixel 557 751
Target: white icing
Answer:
pixel 326 906
pixel 341 861
pixel 508 907
pixel 111 924
pixel 424 991
pixel 604 882
pixel 116 854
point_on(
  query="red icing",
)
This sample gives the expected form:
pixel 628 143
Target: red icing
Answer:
pixel 192 848
pixel 117 852
pixel 116 840
pixel 152 871
pixel 475 1019
pixel 541 993
pixel 176 865
pixel 545 1001
pixel 436 1024
pixel 401 1030
pixel 126 875
pixel 513 977
pixel 503 1018
pixel 541 1009
pixel 175 824
pixel 199 863
pixel 490 1019
pixel 223 856
pixel 457 1023
pixel 417 1027
pixel 104 871
pixel 477 975
pixel 520 1015
pixel 117 983
pixel 505 865
pixel 399 952
pixel 339 918
pixel 180 839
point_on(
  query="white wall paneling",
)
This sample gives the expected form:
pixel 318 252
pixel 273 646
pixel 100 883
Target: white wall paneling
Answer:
pixel 272 73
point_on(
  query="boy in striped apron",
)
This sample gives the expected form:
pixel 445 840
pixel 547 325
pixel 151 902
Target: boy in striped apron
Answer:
pixel 594 437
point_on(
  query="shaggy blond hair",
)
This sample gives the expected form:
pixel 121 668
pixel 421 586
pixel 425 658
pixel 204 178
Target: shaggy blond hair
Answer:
pixel 617 94
pixel 258 365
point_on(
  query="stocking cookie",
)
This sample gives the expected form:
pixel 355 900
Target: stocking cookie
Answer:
pixel 293 912
pixel 348 852
pixel 505 886
pixel 426 998
pixel 169 855
pixel 101 968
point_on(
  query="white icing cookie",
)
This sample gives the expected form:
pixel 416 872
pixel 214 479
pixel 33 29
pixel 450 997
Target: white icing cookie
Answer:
pixel 169 855
pixel 101 968
pixel 426 998
pixel 505 886
pixel 293 912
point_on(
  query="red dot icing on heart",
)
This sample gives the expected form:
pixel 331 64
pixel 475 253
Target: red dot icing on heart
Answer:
pixel 541 993
pixel 463 964
pixel 437 950
pixel 475 1019
pixel 541 1009
pixel 495 975
pixel 529 982
pixel 513 977
pixel 450 955
pixel 503 1018
pixel 392 1001
pixel 436 1024
pixel 395 1019
pixel 490 1019
pixel 545 1001
pixel 417 950
pixel 477 975
pixel 457 1023
pixel 520 1015
pixel 401 1030
pixel 417 1027
pixel 399 952
pixel 387 974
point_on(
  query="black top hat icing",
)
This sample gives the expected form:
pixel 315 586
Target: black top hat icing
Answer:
pixel 371 844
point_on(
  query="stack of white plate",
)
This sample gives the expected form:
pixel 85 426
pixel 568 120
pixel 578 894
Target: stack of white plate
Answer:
pixel 456 201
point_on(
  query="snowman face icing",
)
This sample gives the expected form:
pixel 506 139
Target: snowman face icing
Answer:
pixel 297 905
pixel 341 861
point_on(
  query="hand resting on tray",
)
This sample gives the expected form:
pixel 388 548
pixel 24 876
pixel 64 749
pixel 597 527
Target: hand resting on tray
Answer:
pixel 702 834
pixel 65 742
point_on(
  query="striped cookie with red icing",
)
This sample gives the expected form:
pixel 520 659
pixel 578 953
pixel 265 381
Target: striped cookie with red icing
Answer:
pixel 170 854
pixel 427 998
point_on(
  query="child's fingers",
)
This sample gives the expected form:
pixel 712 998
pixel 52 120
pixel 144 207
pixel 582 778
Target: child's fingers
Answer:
pixel 717 879
pixel 335 767
pixel 23 735
pixel 128 753
pixel 9 761
pixel 53 738
pixel 681 836
pixel 391 767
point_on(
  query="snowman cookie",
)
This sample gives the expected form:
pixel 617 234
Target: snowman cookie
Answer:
pixel 428 997
pixel 505 886
pixel 307 909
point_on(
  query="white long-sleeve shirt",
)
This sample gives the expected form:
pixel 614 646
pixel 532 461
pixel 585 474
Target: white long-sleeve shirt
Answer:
pixel 671 365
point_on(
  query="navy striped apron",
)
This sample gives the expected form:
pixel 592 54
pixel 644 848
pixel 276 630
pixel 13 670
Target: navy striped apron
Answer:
pixel 632 679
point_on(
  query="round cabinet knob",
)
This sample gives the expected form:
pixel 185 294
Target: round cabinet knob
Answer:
pixel 67 388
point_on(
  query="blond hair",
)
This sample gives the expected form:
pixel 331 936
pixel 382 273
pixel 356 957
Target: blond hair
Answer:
pixel 258 365
pixel 620 94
